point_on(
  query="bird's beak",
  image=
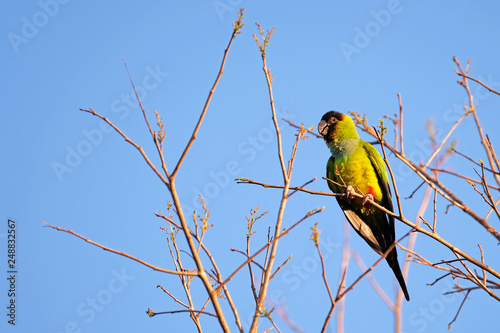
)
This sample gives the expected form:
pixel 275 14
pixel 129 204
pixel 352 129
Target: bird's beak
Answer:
pixel 323 128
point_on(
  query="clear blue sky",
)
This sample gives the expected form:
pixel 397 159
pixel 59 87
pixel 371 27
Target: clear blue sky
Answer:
pixel 61 166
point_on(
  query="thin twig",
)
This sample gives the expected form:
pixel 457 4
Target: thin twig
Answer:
pixel 207 103
pixel 436 151
pixel 280 267
pixel 459 309
pixel 248 256
pixel 343 268
pixel 139 148
pixel 396 192
pixel 476 80
pixel 309 130
pixel 428 233
pixel 472 109
pixel 152 314
pixel 315 238
pixel 401 126
pixel 463 177
pixel 172 296
pixel 311 213
pixel 476 163
pixel 156 268
pixel 482 260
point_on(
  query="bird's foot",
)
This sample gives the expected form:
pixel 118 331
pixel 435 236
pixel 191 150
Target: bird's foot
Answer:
pixel 350 192
pixel 367 197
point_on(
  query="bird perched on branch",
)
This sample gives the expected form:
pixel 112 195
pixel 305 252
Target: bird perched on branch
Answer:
pixel 356 166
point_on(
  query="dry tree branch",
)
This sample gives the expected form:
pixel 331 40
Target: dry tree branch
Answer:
pixel 172 296
pixel 309 130
pixel 436 151
pixel 478 81
pixel 214 265
pixel 153 134
pixel 151 313
pixel 294 188
pixel 401 144
pixel 444 191
pixel 156 268
pixel 482 260
pixel 213 293
pixel 343 268
pixel 475 162
pixel 475 279
pixel 169 181
pixel 437 170
pixel 414 226
pixel 315 237
pixel 267 314
pixel 236 30
pixel 178 266
pixel 472 109
pixel 493 154
pixel 280 267
pixel 396 192
pixel 458 273
pixel 250 222
pixel 491 210
pixel 184 282
pixel 490 201
pixel 459 309
pixel 127 139
pixel 429 179
pixel 286 172
pixel 341 295
pixel 269 243
pixel 411 243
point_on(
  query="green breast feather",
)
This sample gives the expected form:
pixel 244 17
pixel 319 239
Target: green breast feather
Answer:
pixel 363 169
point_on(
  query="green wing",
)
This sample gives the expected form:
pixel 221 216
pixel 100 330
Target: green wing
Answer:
pixel 379 166
pixel 352 214
pixel 388 230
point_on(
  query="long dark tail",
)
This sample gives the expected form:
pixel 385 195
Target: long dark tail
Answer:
pixel 392 260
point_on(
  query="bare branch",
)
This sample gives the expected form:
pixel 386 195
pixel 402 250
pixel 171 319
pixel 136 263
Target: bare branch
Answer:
pixel 401 125
pixel 311 213
pixel 476 80
pixel 156 268
pixel 139 148
pixel 207 102
pixel 151 313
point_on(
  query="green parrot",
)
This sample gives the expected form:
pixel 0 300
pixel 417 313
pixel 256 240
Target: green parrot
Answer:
pixel 361 168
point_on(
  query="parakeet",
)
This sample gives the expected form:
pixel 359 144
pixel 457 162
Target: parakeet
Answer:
pixel 359 166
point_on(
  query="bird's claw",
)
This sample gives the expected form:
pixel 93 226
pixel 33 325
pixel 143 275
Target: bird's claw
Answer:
pixel 366 198
pixel 350 192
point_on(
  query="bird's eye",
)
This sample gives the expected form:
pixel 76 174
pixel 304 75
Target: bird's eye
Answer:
pixel 332 121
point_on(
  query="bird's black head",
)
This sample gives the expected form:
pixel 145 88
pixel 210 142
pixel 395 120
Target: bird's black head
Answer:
pixel 326 126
